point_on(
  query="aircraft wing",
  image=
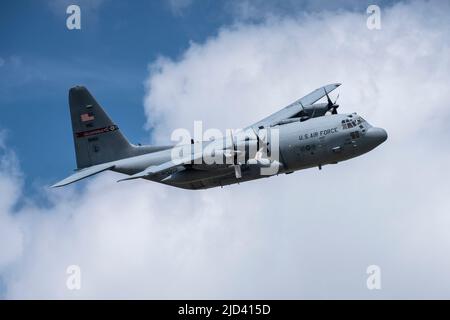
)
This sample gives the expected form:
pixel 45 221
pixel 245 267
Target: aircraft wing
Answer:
pixel 165 169
pixel 297 106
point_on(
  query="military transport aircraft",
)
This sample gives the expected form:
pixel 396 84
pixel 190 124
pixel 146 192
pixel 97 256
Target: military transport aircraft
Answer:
pixel 306 136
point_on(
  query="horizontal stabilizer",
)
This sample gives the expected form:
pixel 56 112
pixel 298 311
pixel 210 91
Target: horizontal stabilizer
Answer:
pixel 84 173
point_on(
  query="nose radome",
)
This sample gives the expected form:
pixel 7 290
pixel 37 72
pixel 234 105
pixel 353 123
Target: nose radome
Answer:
pixel 377 135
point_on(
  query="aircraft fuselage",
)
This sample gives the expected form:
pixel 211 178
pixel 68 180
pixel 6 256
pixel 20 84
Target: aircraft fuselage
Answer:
pixel 302 135
pixel 313 143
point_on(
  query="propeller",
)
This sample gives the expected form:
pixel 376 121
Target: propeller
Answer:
pixel 234 152
pixel 332 106
pixel 263 143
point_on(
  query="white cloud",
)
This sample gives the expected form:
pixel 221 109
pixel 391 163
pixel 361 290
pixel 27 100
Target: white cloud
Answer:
pixel 309 234
pixel 10 187
pixel 249 71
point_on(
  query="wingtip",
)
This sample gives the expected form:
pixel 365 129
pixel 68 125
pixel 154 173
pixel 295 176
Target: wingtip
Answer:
pixel 57 185
pixel 331 86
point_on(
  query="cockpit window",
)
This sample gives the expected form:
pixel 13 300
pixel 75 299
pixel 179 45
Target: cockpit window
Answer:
pixel 360 120
pixel 350 123
pixel 347 124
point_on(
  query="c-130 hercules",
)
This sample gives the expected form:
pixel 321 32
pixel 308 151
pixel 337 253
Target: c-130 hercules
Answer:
pixel 307 137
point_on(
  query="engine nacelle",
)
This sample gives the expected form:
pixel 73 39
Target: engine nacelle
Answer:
pixel 315 110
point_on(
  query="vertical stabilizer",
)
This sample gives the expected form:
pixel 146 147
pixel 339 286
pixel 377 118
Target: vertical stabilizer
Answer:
pixel 97 139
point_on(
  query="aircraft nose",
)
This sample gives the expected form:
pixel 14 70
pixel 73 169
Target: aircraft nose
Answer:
pixel 377 135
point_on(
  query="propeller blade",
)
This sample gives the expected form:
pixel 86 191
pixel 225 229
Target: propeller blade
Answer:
pixel 330 103
pixel 237 171
pixel 336 99
pixel 332 106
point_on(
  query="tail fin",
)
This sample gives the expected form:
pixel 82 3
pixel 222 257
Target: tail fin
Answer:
pixel 97 139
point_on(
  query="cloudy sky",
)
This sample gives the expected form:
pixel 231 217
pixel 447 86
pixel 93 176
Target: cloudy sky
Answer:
pixel 158 66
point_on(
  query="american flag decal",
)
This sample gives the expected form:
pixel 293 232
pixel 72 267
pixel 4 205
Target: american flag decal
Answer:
pixel 87 117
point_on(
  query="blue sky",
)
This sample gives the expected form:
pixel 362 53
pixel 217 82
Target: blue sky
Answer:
pixel 42 59
pixel 110 55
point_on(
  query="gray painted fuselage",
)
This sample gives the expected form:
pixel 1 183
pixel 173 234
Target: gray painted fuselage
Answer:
pixel 319 141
